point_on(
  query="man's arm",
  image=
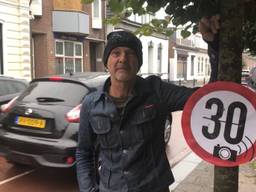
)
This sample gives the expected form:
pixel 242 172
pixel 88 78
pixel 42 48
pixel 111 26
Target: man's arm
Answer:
pixel 85 153
pixel 175 96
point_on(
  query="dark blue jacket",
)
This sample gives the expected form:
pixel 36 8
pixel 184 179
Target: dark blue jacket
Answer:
pixel 132 147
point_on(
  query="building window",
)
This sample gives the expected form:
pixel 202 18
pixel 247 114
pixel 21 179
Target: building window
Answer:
pixel 69 56
pixel 182 67
pixel 202 67
pixel 150 56
pixel 159 58
pixel 96 14
pixel 198 65
pixel 143 19
pixel 151 17
pixel 207 68
pixel 36 7
pixel 192 72
pixel 96 8
pixel 146 18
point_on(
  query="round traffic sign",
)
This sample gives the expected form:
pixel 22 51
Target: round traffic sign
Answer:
pixel 218 123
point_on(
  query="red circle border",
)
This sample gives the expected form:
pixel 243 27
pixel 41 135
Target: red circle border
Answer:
pixel 186 120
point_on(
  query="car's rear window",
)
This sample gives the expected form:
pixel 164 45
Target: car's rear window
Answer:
pixel 65 93
pixel 11 87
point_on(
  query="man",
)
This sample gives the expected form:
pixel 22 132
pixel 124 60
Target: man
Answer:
pixel 126 119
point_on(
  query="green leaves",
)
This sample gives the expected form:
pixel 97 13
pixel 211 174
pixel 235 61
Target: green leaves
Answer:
pixel 161 23
pixel 145 29
pixel 114 20
pixel 137 6
pixel 87 1
pixel 185 33
pixel 154 5
pixel 117 6
pixel 181 12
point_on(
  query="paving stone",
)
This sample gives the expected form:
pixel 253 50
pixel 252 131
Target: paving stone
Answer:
pixel 201 179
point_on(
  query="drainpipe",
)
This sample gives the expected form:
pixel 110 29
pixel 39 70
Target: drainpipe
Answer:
pixel 31 17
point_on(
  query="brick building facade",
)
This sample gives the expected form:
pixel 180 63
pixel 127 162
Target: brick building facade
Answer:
pixel 65 39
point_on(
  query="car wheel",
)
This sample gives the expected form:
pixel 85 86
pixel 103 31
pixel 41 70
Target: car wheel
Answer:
pixel 18 164
pixel 167 131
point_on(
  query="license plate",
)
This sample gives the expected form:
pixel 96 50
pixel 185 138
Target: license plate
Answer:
pixel 31 122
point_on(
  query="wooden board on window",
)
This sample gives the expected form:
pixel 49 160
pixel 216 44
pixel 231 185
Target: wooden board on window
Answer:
pixel 68 5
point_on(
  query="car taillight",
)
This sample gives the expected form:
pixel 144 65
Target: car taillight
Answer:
pixel 56 78
pixel 7 107
pixel 70 160
pixel 73 116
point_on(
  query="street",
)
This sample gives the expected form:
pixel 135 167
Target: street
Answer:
pixel 18 178
pixel 177 147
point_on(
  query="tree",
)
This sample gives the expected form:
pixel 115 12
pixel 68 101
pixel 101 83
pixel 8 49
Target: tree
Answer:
pixel 230 65
pixel 180 13
pixel 238 33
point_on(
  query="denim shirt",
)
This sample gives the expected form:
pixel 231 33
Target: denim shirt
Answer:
pixel 131 145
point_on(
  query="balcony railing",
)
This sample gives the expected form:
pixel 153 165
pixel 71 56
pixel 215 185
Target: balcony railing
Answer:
pixel 185 42
pixel 75 22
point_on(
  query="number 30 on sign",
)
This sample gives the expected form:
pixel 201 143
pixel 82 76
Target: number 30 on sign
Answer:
pixel 219 123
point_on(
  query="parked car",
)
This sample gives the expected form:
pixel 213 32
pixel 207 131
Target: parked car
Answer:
pixel 244 77
pixel 40 127
pixel 252 78
pixel 11 87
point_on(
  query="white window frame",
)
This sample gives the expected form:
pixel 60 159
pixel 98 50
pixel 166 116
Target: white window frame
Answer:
pixel 150 57
pixel 159 57
pixel 74 57
pixel 4 46
pixel 207 67
pixel 200 66
pixel 192 64
pixel 97 21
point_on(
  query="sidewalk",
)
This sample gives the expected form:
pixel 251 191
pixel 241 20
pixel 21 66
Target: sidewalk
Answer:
pixel 194 175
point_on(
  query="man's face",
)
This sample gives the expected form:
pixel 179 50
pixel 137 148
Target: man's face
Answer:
pixel 122 64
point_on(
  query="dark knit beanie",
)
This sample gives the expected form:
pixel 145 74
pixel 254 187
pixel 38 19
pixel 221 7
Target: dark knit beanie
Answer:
pixel 122 39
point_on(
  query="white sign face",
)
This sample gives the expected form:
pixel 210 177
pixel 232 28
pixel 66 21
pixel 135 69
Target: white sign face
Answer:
pixel 219 123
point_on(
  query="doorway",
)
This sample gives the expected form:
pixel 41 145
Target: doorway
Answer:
pixel 93 51
pixel 182 67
